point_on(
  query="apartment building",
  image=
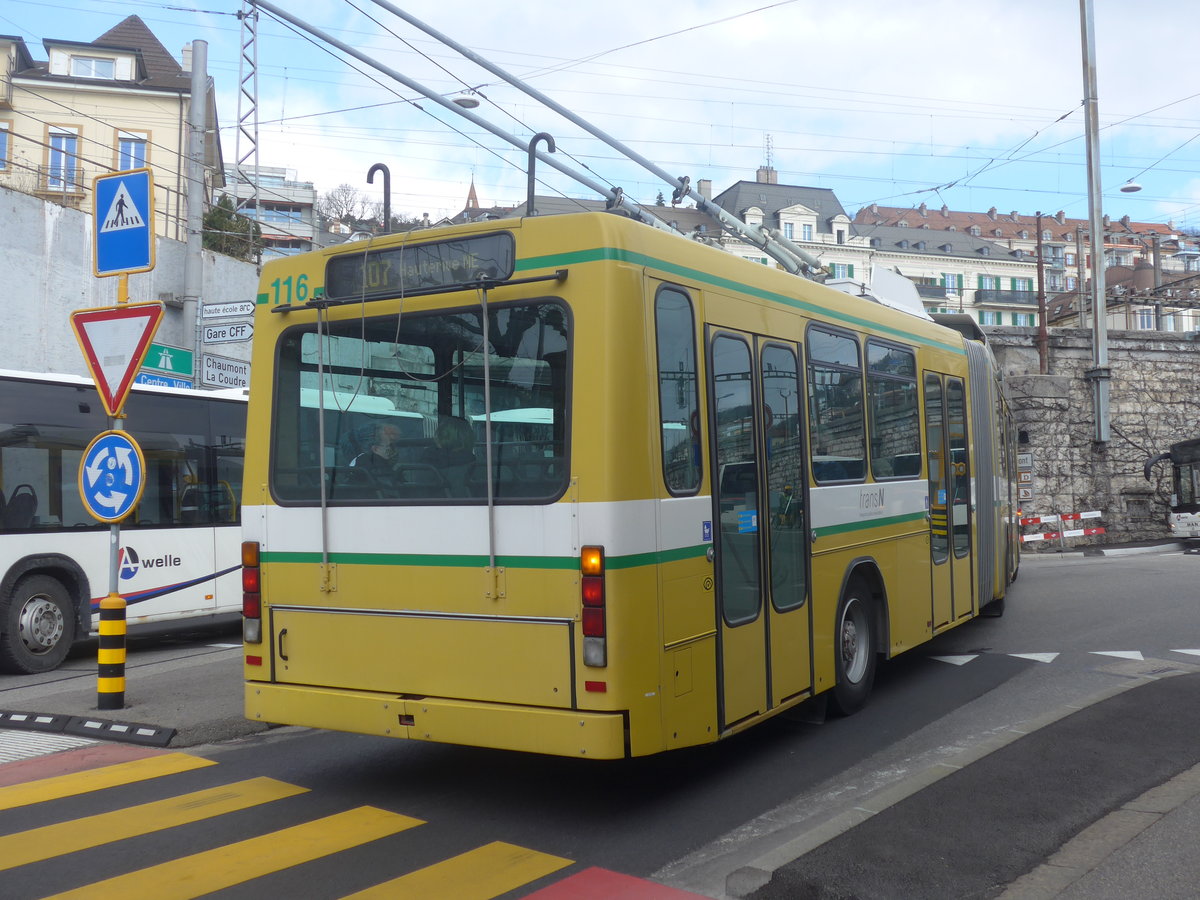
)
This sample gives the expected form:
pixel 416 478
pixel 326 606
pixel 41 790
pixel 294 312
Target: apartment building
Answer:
pixel 282 204
pixel 1066 262
pixel 89 108
pixel 953 271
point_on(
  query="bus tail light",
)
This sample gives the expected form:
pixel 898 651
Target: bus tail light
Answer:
pixel 251 594
pixel 591 588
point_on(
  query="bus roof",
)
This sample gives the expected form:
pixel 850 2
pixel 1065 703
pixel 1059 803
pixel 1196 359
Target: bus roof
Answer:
pixel 238 394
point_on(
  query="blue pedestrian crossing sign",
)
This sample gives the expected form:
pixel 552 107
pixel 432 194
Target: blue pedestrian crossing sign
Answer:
pixel 124 222
pixel 112 476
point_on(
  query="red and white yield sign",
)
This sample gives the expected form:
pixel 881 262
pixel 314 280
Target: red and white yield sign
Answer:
pixel 114 341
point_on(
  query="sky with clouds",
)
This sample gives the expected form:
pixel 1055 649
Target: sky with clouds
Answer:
pixel 968 103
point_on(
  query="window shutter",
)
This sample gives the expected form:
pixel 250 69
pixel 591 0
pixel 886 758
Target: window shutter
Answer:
pixel 850 270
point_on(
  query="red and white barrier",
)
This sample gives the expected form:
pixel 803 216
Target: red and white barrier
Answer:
pixel 1059 535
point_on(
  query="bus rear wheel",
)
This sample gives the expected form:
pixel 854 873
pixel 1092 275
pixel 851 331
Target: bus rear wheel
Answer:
pixel 38 626
pixel 854 649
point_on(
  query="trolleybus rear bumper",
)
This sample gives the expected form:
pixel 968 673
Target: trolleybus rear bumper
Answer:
pixel 560 732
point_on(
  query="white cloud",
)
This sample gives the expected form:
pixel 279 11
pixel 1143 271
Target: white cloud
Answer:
pixel 878 100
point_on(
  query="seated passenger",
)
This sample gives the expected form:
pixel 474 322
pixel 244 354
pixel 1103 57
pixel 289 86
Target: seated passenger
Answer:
pixel 452 452
pixel 380 457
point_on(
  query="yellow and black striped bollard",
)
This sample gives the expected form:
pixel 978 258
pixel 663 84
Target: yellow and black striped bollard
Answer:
pixel 110 683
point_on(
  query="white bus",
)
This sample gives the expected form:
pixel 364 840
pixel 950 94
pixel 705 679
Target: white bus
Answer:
pixel 1183 514
pixel 179 552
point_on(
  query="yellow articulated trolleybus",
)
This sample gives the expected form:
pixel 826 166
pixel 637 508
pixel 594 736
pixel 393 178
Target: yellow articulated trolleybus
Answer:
pixel 574 485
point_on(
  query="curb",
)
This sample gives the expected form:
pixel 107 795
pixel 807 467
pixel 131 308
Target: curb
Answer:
pixel 1170 547
pixel 745 880
pixel 89 726
pixel 1089 849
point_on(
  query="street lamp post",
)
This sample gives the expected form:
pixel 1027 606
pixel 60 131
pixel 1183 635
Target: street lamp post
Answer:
pixel 1100 373
pixel 1043 339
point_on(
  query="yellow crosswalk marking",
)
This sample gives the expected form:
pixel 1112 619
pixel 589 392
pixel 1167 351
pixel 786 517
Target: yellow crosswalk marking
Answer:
pixel 480 874
pixel 60 786
pixel 93 831
pixel 222 867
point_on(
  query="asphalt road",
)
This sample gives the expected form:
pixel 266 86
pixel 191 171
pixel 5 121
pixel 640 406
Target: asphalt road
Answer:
pixel 689 819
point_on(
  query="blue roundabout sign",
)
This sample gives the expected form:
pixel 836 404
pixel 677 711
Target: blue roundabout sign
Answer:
pixel 112 475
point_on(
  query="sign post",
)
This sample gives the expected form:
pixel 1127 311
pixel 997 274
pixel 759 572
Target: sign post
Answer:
pixel 111 480
pixel 114 341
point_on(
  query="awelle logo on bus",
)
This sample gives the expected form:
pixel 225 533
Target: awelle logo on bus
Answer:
pixel 131 563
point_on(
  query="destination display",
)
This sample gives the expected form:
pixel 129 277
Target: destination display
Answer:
pixel 419 268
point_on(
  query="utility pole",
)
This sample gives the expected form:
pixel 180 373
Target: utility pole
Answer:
pixel 1100 374
pixel 1043 339
pixel 193 267
pixel 1156 261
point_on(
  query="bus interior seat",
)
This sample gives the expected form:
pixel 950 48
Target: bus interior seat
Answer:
pixel 21 507
pixel 540 476
pixel 352 483
pixel 189 506
pixel 418 481
pixel 502 485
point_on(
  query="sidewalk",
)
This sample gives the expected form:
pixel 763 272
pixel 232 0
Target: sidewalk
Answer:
pixel 1101 803
pixel 177 703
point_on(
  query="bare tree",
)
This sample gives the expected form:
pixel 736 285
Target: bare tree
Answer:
pixel 345 203
pixel 400 222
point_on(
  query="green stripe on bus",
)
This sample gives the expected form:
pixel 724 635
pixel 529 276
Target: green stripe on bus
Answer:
pixel 850 527
pixel 462 561
pixel 595 254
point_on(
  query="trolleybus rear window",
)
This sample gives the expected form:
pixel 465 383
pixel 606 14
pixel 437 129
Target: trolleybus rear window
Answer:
pixel 406 416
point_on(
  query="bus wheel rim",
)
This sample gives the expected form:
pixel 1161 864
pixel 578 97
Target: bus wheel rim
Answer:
pixel 855 640
pixel 41 624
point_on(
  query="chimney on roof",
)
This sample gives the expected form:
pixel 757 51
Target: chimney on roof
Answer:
pixel 992 214
pixel 187 57
pixel 1013 215
pixel 766 175
pixel 1107 222
pixel 1060 217
pixel 923 210
pixel 1125 221
pixel 704 188
pixel 945 212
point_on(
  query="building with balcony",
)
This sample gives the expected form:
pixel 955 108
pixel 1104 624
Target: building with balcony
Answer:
pixel 959 272
pixel 90 108
pixel 1064 242
pixel 283 206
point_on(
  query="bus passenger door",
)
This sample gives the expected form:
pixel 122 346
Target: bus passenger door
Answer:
pixel 949 498
pixel 759 495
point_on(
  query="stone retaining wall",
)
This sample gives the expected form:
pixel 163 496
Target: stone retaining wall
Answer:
pixel 1153 403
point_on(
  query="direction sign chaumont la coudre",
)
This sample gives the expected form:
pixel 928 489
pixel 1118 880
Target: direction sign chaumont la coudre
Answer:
pixel 124 232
